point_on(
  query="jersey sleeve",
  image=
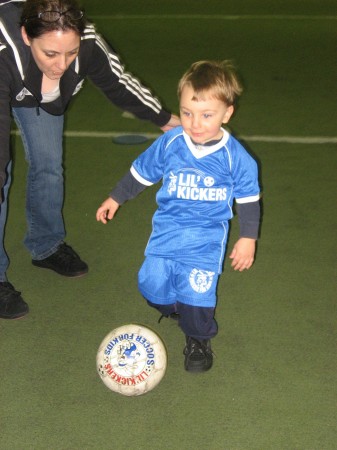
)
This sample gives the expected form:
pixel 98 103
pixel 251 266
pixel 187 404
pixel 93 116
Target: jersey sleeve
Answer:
pixel 245 176
pixel 246 190
pixel 249 219
pixel 148 168
pixel 126 189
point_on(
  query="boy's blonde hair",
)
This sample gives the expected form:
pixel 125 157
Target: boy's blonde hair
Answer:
pixel 216 76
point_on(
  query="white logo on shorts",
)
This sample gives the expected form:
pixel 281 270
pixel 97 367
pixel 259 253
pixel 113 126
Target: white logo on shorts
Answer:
pixel 201 280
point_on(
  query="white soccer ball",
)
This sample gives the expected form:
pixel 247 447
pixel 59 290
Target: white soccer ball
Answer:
pixel 131 360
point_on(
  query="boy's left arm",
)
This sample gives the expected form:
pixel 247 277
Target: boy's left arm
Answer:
pixel 243 252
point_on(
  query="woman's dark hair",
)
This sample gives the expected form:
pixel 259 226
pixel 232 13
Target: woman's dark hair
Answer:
pixel 42 16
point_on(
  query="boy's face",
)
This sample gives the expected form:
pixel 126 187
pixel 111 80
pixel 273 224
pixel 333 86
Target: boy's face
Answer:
pixel 202 115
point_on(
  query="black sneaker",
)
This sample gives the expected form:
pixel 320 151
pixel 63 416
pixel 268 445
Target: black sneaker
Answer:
pixel 65 261
pixel 198 355
pixel 12 305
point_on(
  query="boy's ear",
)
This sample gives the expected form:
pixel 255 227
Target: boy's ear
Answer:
pixel 24 36
pixel 228 114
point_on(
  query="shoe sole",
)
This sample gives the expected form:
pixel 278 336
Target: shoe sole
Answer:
pixel 17 317
pixel 64 274
pixel 197 369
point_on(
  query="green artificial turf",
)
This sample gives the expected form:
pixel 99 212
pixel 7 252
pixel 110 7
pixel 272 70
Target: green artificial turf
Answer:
pixel 273 384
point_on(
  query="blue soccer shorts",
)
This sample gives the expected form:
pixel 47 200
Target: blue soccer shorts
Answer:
pixel 164 282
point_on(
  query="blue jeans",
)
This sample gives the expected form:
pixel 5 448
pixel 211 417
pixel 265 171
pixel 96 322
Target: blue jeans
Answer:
pixel 42 136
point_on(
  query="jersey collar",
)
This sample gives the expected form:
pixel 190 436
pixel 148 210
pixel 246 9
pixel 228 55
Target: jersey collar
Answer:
pixel 199 151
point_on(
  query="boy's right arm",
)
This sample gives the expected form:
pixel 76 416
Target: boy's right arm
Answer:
pixel 127 188
pixel 107 210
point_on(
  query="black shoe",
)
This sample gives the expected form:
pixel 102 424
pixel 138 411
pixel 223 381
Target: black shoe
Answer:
pixel 64 261
pixel 198 355
pixel 12 305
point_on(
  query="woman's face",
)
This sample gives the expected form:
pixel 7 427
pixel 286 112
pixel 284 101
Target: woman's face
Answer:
pixel 54 51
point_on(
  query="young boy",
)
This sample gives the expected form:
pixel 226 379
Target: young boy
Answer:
pixel 203 168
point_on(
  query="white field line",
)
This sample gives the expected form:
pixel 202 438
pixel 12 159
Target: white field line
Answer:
pixel 212 17
pixel 250 138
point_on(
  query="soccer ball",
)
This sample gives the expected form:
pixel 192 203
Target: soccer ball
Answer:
pixel 131 360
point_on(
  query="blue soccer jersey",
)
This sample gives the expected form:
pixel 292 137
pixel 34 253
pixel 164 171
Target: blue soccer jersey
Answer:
pixel 199 184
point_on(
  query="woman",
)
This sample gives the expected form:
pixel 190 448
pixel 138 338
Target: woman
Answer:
pixel 47 49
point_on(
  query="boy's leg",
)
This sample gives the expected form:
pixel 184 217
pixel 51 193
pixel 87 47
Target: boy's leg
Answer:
pixel 155 284
pixel 197 322
pixel 161 282
pixel 199 327
pixel 168 311
pixel 196 291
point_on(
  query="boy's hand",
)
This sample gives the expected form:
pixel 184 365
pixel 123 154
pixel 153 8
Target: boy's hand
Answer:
pixel 107 210
pixel 243 254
